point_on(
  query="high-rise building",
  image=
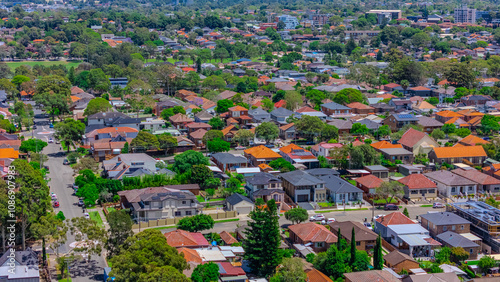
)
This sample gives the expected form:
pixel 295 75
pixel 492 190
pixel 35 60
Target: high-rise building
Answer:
pixel 290 22
pixel 465 15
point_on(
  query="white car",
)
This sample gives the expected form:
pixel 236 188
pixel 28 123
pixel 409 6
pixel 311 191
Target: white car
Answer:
pixel 328 221
pixel 378 216
pixel 368 225
pixel 86 215
pixel 318 217
pixel 51 140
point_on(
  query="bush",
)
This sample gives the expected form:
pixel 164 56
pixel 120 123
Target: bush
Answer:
pixel 310 257
pixel 73 157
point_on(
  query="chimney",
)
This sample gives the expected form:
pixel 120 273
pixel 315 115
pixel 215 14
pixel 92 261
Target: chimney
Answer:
pixel 119 159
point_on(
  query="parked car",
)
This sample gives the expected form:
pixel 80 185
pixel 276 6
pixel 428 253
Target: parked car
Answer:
pixel 34 127
pixel 270 146
pixel 86 215
pixel 438 205
pixel 57 141
pixel 378 216
pixel 56 204
pixel 51 140
pixel 65 162
pixel 328 221
pixel 241 148
pixel 53 197
pixel 317 217
pixel 80 203
pixel 51 125
pixel 391 207
pixel 368 225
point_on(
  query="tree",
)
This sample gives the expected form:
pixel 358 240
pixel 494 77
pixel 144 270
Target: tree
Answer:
pixel 297 215
pixel 282 165
pixel 358 128
pixel 267 131
pixel 363 155
pixel 200 174
pixel 125 149
pixel 216 123
pixel 32 145
pixel 489 124
pixel 486 262
pixel 8 86
pixel 184 161
pixel 243 137
pixel 19 79
pixel 309 126
pixel 223 105
pixel 218 145
pixel 92 235
pixel 97 105
pixel 145 141
pixel 406 69
pixel 383 131
pixel 50 228
pixel 443 255
pixel 293 100
pixel 207 272
pixel 329 132
pixel 165 114
pixel 378 259
pixel 438 134
pixel 448 128
pixel 98 80
pixel 89 193
pixel 147 257
pixel 291 269
pixel 460 75
pixel 263 240
pixel 280 95
pixel 316 97
pixel 432 100
pixel 69 131
pixel 54 103
pixel 348 95
pixel 196 223
pixel 406 213
pixel 389 190
pixel 120 229
pixel 463 132
pixel 212 135
pixel 53 84
pixel 214 82
pixel 458 254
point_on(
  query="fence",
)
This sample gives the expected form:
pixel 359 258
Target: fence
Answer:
pixel 174 221
pixel 388 246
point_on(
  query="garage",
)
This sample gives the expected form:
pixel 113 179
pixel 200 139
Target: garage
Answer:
pixel 302 198
pixel 239 203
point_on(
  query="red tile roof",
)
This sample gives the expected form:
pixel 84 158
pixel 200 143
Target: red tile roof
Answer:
pixel 280 104
pixel 190 255
pixel 181 238
pixel 476 176
pixel 418 181
pixel 370 181
pixel 313 232
pixel 394 218
pixel 472 140
pixel 411 137
pixel 317 276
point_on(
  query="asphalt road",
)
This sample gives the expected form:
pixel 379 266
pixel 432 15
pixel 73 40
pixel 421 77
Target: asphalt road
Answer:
pixel 61 180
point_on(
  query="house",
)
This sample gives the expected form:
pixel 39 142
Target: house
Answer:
pixel 325 149
pixel 129 165
pixel 340 191
pixel 152 125
pixel 258 115
pixel 429 124
pixel 303 187
pixel 371 275
pixel 484 182
pixel 308 111
pixel 451 184
pixel 230 272
pixel 394 218
pixel 444 116
pixel 368 183
pixel 379 171
pixel 183 239
pixel 365 238
pixel 438 277
pixel 260 154
pixel 194 126
pixel 163 105
pixel 336 110
pixel 240 114
pixel 239 203
pixel 318 236
pixel 398 261
pixel 360 109
pixel 397 154
pixel 159 203
pixel 277 195
pixel 412 239
pixel 397 121
pixel 229 132
pixel 440 222
pixel 452 239
pixel 299 156
pixel 110 134
pixel 475 100
pixel 385 145
pixel 417 142
pixel 417 186
pixel 344 126
pixel 19 266
pixel 317 276
pixel 227 238
pixel 472 155
pixel 472 140
pixel 262 181
pixel 179 121
pixel 288 131
pixel 229 162
pixel 111 119
pixel 203 116
pixel 280 115
pixel 183 144
pixel 410 169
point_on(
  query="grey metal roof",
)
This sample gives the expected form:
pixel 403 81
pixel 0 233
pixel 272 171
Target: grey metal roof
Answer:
pixel 262 178
pixel 444 218
pixel 227 158
pixel 449 178
pixel 456 240
pixel 427 121
pixel 237 198
pixel 341 124
pixel 301 178
pixel 338 185
pixel 396 151
pixel 267 192
pixel 322 171
pixel 281 112
pixel 335 106
pixel 376 168
pixel 370 124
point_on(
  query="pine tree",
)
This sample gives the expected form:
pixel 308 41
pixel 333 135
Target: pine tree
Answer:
pixel 406 213
pixel 125 148
pixel 339 243
pixel 198 65
pixel 353 247
pixel 71 75
pixel 263 240
pixel 378 260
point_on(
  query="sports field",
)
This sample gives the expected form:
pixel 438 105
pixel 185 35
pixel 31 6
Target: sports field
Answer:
pixel 68 64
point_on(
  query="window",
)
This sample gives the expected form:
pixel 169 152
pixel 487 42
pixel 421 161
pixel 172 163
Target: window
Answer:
pixel 471 188
pixel 320 244
pixel 183 202
pixel 462 227
pixel 445 228
pixel 471 251
pixel 358 243
pixel 188 213
pixel 177 213
pixel 453 189
pixel 453 228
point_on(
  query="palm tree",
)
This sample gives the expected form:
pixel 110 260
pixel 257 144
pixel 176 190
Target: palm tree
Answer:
pixel 405 84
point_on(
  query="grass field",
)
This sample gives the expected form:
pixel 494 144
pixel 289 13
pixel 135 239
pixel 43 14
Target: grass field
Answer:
pixel 68 64
pixel 202 200
pixel 94 215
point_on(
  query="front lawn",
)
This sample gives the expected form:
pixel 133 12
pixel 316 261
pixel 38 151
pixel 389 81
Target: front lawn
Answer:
pixel 384 201
pixel 94 215
pixel 202 200
pixel 326 205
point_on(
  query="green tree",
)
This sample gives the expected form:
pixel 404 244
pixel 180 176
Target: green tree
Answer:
pixel 218 145
pixel 316 97
pixel 383 131
pixel 309 126
pixel 200 174
pixel 55 103
pixel 291 269
pixel 18 79
pixel 378 259
pixel 389 190
pixel 32 145
pixel 243 137
pixel 358 128
pixel 448 128
pixel 120 229
pixel 282 165
pixel 216 123
pixel 89 233
pixel 98 80
pixel 438 134
pixel 363 155
pixel 267 131
pixel 297 215
pixel 486 262
pixel 69 131
pixel 458 254
pixel 405 212
pixel 263 240
pixel 145 141
pixel 167 142
pixel 353 247
pixel 462 132
pixel 214 82
pixel 329 132
pixel 125 149
pixel 490 123
pixel 460 75
pixel 196 223
pixel 165 114
pixel 97 105
pixel 348 95
pixel 89 193
pixel 212 135
pixel 184 161
pixel 293 100
pixel 53 84
pixel 206 272
pixel 147 257
pixel 443 255
pixel 223 105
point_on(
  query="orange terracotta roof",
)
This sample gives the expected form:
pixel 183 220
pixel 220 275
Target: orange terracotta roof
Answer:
pixel 280 104
pixel 313 232
pixel 264 166
pixel 417 181
pixel 237 109
pixel 358 105
pixel 227 238
pixel 262 152
pixel 287 126
pixel 228 129
pixel 385 145
pixel 394 218
pixel 116 129
pixel 9 153
pixel 472 140
pixel 181 238
pixel 73 98
pixel 289 148
pixel 460 152
pixel 370 181
pixel 317 276
pixel 448 114
pixel 190 255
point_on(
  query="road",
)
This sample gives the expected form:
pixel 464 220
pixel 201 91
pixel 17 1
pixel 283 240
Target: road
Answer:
pixel 61 180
